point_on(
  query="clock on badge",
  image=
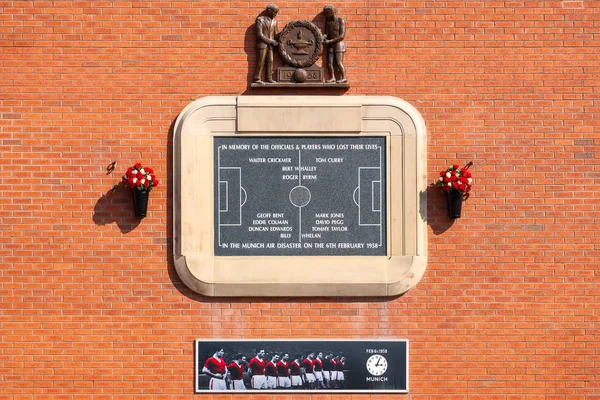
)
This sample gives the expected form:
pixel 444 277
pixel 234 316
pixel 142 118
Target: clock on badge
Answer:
pixel 377 365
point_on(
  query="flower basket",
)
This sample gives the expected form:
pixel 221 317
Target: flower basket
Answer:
pixel 140 203
pixel 454 199
pixel 141 181
pixel 456 183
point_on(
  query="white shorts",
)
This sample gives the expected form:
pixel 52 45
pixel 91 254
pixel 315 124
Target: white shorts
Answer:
pixel 271 382
pixel 217 384
pixel 259 382
pixel 296 380
pixel 284 382
pixel 238 385
pixel 340 376
pixel 319 376
pixel 326 375
pixel 310 378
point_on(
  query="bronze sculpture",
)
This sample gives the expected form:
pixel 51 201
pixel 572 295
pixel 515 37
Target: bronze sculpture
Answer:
pixel 300 45
pixel 335 30
pixel 266 32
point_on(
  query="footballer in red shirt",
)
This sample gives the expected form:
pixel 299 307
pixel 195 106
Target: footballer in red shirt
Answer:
pixel 327 370
pixel 236 372
pixel 295 373
pixel 308 366
pixel 216 368
pixel 340 366
pixel 318 369
pixel 283 372
pixel 256 368
pixel 271 372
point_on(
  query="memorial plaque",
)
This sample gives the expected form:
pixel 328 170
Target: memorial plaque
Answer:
pixel 313 196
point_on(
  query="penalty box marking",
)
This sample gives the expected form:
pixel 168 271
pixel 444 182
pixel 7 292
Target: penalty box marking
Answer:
pixel 375 208
pixel 225 203
pixel 230 216
pixel 231 196
pixel 364 218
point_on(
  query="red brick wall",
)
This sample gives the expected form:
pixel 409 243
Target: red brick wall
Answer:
pixel 91 303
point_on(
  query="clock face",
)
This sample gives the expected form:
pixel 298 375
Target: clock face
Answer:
pixel 377 365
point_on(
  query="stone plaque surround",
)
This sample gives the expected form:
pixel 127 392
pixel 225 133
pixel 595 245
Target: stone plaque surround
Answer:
pixel 296 116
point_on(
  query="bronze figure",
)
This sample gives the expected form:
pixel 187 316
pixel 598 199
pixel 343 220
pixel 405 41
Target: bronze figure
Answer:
pixel 266 32
pixel 335 30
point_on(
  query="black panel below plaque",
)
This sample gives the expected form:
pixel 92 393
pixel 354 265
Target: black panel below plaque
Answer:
pixel 304 365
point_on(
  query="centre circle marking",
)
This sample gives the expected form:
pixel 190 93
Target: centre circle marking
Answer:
pixel 300 196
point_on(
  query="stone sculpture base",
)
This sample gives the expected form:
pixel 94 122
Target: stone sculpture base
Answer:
pixel 312 74
pixel 300 85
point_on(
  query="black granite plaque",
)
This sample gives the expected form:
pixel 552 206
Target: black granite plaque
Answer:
pixel 300 196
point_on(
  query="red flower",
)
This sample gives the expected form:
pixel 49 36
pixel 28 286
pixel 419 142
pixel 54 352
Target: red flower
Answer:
pixel 458 179
pixel 148 177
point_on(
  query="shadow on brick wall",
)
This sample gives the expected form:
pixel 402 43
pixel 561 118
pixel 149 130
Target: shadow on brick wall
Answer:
pixel 250 49
pixel 437 212
pixel 116 206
